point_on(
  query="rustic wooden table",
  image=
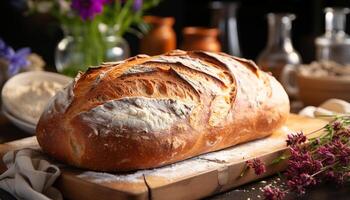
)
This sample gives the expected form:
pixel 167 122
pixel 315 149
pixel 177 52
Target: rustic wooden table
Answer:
pixel 9 132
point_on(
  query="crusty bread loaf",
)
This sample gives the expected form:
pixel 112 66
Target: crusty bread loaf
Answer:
pixel 146 112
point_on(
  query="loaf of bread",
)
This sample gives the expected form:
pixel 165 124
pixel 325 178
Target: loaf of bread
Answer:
pixel 146 112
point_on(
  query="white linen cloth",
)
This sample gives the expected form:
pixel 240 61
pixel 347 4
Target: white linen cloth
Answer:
pixel 29 176
pixel 329 107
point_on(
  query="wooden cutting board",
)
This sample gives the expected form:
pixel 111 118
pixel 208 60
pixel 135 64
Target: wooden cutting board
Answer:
pixel 190 179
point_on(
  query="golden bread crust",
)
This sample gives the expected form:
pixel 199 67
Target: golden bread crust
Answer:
pixel 146 112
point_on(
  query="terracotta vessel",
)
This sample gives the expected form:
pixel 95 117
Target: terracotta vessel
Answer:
pixel 200 38
pixel 161 38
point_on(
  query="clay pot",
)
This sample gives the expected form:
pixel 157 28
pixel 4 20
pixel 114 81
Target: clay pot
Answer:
pixel 161 38
pixel 200 38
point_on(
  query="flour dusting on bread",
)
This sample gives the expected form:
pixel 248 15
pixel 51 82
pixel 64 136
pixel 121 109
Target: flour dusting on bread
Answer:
pixel 63 98
pixel 139 69
pixel 140 114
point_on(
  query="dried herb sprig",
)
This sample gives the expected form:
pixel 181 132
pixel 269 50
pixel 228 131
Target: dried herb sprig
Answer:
pixel 273 193
pixel 256 164
pixel 311 161
pixel 326 157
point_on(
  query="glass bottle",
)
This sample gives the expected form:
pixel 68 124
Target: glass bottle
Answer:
pixel 279 57
pixel 224 18
pixel 334 45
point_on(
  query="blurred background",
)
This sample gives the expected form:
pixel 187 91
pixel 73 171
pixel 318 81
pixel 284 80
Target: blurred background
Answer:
pixel 304 44
pixel 41 33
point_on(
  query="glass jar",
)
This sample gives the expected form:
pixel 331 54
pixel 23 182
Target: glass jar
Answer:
pixel 279 56
pixel 85 46
pixel 334 45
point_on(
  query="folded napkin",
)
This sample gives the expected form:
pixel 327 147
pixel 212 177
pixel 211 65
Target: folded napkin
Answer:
pixel 29 176
pixel 329 107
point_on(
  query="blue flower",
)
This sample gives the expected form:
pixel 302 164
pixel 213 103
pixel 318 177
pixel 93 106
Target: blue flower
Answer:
pixel 16 59
pixel 5 51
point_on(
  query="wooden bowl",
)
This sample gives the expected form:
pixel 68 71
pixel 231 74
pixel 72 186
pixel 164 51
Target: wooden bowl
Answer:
pixel 315 90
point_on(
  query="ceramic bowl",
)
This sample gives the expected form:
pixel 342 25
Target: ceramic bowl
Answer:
pixel 24 79
pixel 23 125
pixel 316 90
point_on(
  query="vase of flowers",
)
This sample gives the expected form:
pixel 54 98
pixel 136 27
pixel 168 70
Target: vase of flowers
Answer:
pixel 82 47
pixel 94 30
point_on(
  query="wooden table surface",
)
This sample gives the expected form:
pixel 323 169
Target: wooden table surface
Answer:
pixel 9 132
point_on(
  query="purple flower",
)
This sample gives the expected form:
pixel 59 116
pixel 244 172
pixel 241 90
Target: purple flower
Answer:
pixel 301 162
pixel 108 1
pixel 336 125
pixel 299 183
pixel 342 152
pixel 336 177
pixel 294 139
pixel 329 174
pixel 332 175
pixel 300 155
pixel 18 61
pixel 325 159
pixel 326 154
pixel 137 5
pixel 5 51
pixel 257 165
pixel 345 132
pixel 15 59
pixel 87 9
pixel 272 193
